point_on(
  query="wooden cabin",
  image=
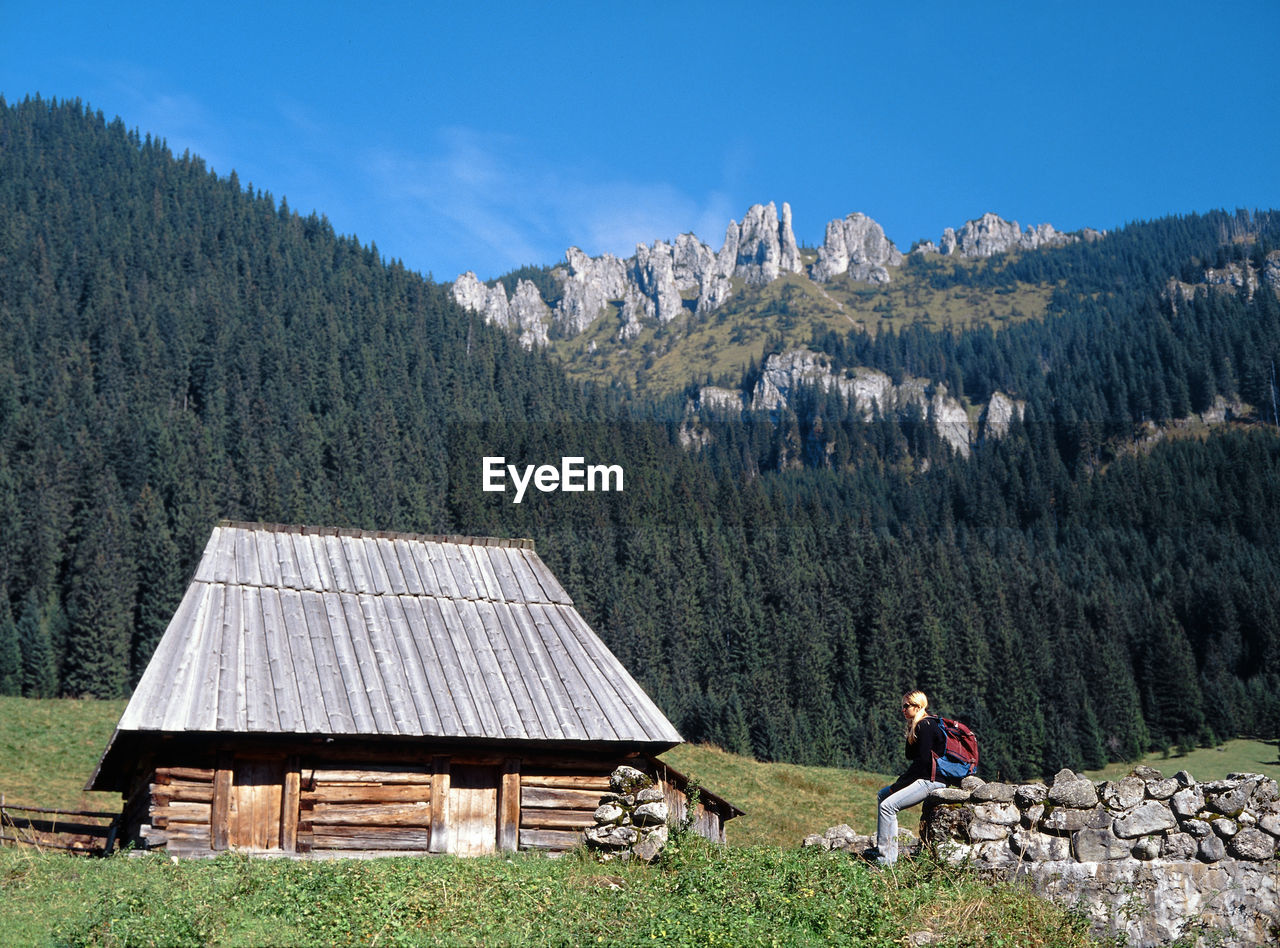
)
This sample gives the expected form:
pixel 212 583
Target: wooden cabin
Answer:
pixel 338 692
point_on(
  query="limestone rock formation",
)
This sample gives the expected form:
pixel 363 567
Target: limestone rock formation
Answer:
pixel 719 399
pixel 857 246
pixel 1271 271
pixel 470 293
pixel 1233 275
pixel 784 372
pixel 999 414
pixel 664 280
pixel 525 312
pixel 697 270
pixel 868 390
pixel 653 273
pixel 991 234
pixel 950 420
pixel 652 286
pixel 530 315
pixel 1232 278
pixel 762 247
pixel 587 287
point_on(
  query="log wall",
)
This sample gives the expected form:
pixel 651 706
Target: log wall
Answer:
pixel 372 807
pixel 711 813
pixel 558 800
pixel 342 801
pixel 177 813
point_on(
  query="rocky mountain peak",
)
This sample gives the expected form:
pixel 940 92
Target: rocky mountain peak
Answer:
pixel 662 281
pixel 657 284
pixel 857 246
pixel 991 234
pixel 470 293
pixel 530 315
pixel 762 247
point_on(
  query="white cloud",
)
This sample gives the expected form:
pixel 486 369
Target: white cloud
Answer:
pixel 482 195
pixel 146 103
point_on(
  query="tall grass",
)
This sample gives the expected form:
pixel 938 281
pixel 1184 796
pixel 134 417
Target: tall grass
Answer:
pixel 700 894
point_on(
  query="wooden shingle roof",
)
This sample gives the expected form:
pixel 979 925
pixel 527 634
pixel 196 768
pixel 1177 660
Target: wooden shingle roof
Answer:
pixel 295 630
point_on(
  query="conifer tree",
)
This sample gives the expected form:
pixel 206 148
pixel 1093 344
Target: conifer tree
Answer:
pixel 39 678
pixel 10 654
pixel 159 580
pixel 99 606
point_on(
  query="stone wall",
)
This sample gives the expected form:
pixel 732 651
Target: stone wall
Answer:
pixel 631 821
pixel 1147 855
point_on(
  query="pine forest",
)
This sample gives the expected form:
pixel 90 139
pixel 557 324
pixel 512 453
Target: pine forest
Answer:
pixel 178 348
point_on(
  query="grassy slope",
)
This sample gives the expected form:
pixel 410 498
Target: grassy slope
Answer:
pixel 48 749
pixel 1209 763
pixel 664 360
pixel 784 802
pixel 761 889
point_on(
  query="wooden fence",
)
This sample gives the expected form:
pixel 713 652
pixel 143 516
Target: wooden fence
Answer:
pixel 84 832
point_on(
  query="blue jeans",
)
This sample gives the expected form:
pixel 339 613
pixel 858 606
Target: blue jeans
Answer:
pixel 890 804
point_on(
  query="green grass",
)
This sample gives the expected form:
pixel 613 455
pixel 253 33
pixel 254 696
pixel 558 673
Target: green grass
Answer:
pixel 784 802
pixel 1208 763
pixel 760 889
pixel 699 894
pixel 49 748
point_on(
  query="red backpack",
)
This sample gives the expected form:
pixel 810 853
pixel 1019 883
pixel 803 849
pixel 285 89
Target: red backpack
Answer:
pixel 959 758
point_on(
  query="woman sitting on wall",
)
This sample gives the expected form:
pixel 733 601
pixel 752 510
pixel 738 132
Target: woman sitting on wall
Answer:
pixel 925 742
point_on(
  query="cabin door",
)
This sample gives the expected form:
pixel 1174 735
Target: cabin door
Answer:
pixel 473 809
pixel 258 805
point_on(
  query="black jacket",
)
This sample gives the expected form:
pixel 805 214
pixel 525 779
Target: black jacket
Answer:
pixel 930 741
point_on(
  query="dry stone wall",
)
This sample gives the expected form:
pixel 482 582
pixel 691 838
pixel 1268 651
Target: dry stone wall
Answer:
pixel 631 821
pixel 1147 855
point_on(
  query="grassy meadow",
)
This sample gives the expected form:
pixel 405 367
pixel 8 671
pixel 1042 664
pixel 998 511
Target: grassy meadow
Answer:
pixel 761 889
pixel 699 894
pixel 49 749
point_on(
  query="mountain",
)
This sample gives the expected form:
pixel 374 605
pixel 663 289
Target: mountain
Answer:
pixel 679 310
pixel 679 315
pixel 663 282
pixel 797 542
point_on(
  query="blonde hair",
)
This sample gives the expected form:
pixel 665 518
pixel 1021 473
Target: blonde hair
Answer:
pixel 919 702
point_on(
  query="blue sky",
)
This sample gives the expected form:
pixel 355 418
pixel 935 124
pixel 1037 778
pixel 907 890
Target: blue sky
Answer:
pixel 485 136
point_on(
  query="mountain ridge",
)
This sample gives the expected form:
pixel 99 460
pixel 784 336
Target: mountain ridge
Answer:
pixel 662 280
